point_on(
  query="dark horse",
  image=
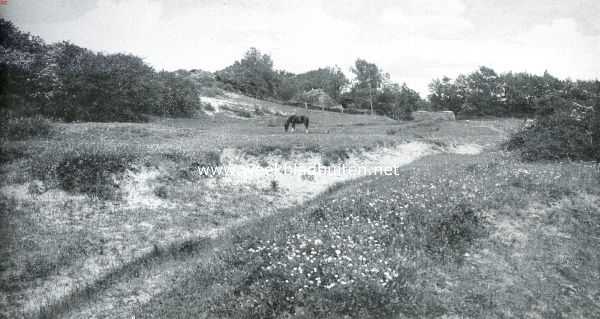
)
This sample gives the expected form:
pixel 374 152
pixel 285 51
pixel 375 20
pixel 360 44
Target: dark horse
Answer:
pixel 296 119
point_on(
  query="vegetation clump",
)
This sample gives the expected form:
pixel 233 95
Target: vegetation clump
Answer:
pixel 334 156
pixel 63 81
pixel 96 175
pixel 566 130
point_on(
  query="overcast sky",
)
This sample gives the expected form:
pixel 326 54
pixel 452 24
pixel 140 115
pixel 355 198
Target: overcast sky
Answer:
pixel 413 40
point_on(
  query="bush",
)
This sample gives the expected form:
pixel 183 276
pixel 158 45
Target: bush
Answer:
pixel 565 132
pixel 177 96
pixel 89 86
pixel 452 234
pixel 334 156
pixel 92 174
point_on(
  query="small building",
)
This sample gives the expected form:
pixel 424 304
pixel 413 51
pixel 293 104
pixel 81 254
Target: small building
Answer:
pixel 315 99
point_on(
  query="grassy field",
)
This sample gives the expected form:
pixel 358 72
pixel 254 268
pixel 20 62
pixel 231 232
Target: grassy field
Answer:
pixel 112 219
pixel 454 236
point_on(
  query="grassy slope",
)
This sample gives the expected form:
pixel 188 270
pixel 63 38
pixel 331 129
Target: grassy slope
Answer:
pixel 54 240
pixel 470 236
pixel 57 237
pixel 507 258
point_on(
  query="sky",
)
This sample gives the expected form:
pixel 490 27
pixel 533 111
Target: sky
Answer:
pixel 414 41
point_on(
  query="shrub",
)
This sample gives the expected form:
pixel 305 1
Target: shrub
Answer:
pixel 177 95
pixel 88 86
pixel 92 174
pixel 452 234
pixel 565 132
pixel 334 156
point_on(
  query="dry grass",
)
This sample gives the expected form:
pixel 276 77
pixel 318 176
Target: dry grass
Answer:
pixel 456 236
pixel 65 245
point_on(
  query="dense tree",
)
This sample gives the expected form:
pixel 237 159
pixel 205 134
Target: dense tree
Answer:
pixel 446 95
pixel 483 87
pixel 66 82
pixel 484 92
pixel 177 95
pixel 330 79
pixel 287 86
pixel 13 39
pixel 97 87
pixel 368 80
pixel 22 59
pixel 253 74
pixel 398 101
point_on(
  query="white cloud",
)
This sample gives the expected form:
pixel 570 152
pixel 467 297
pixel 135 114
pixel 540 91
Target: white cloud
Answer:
pixel 439 19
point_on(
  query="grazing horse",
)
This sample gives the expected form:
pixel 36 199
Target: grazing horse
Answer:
pixel 296 119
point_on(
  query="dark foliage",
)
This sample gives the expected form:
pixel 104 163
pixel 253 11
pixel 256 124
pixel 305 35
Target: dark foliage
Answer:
pixel 563 130
pixel 66 82
pixel 97 87
pixel 95 175
pixel 252 75
pixel 177 95
pixel 452 234
pixel 486 93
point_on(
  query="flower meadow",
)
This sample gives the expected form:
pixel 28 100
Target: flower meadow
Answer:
pixel 388 246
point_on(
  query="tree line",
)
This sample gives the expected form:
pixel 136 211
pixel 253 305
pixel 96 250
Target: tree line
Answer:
pixel 66 82
pixel 487 93
pixel 369 89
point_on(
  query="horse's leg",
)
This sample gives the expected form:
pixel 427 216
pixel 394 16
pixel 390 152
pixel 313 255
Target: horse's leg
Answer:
pixel 306 125
pixel 293 126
